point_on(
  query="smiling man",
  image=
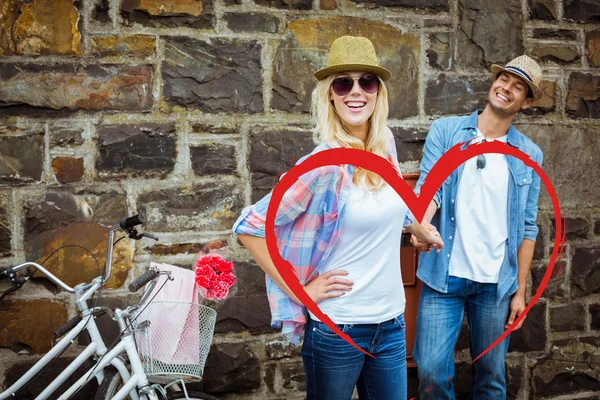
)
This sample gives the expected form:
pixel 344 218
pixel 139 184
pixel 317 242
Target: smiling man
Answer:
pixel 485 212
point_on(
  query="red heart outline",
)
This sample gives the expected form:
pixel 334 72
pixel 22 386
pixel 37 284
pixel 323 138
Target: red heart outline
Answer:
pixel 442 169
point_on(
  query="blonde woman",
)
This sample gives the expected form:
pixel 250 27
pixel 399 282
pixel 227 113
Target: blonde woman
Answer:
pixel 341 228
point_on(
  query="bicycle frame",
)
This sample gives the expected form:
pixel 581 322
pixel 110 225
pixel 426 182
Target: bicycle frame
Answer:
pixel 131 382
pixel 97 347
pixel 126 344
pixel 90 349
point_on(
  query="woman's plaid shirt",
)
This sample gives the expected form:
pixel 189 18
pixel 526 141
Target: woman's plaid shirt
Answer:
pixel 307 227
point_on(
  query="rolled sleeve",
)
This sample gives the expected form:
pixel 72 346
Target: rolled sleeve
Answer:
pixel 250 222
pixel 409 219
pixel 294 202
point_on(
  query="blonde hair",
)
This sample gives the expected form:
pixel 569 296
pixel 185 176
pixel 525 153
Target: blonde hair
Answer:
pixel 328 129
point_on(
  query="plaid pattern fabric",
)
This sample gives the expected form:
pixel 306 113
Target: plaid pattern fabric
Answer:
pixel 307 227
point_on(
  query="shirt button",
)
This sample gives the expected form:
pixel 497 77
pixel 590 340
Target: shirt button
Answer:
pixel 452 219
pixel 453 200
pixel 448 256
pixel 450 238
pixel 524 179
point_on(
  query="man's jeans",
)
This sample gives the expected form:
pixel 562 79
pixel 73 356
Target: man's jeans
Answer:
pixel 333 367
pixel 438 325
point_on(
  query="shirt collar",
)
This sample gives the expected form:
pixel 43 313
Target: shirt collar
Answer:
pixel 471 123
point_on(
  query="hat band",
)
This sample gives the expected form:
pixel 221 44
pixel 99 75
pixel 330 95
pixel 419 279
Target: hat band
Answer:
pixel 519 71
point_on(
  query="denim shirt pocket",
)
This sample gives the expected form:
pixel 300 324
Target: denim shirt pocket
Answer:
pixel 523 180
pixel 524 177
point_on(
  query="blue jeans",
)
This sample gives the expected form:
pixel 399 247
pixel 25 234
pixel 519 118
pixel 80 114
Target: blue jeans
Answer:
pixel 438 325
pixel 333 367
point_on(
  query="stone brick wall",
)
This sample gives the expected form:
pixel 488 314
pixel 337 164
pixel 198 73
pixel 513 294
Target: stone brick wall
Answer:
pixel 190 109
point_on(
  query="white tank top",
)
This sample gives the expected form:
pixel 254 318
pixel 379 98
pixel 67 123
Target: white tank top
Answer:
pixel 369 249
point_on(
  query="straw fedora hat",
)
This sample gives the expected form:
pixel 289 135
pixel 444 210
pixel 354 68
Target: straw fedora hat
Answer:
pixel 352 53
pixel 525 68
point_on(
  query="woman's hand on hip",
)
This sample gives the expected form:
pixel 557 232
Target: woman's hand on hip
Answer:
pixel 330 285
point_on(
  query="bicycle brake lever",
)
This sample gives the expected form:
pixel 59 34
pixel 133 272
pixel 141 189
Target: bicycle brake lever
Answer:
pixel 149 236
pixel 137 236
pixel 19 280
pixel 167 273
pixel 10 290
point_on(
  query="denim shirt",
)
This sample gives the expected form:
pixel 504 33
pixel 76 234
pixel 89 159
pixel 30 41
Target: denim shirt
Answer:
pixel 523 193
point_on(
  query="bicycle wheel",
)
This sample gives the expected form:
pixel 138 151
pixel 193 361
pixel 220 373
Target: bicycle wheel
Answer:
pixel 112 382
pixel 110 385
pixel 191 396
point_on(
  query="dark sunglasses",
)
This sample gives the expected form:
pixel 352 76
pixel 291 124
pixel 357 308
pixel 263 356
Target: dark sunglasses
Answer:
pixel 481 161
pixel 343 85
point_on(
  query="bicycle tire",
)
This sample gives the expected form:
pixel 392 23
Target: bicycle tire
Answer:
pixel 112 382
pixel 110 385
pixel 191 396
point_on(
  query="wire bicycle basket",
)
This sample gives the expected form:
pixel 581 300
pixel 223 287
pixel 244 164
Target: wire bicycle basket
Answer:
pixel 173 338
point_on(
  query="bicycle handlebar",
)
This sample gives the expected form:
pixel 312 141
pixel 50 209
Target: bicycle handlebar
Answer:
pixel 70 324
pixel 129 222
pixel 125 224
pixel 142 280
pixel 43 270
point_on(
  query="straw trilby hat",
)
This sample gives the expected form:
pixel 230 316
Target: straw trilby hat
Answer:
pixel 525 68
pixel 352 53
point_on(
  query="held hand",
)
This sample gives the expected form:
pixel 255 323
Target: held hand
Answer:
pixel 421 246
pixel 426 237
pixel 517 306
pixel 329 285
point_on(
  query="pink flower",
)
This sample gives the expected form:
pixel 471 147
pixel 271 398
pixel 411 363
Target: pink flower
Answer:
pixel 204 276
pixel 221 290
pixel 214 276
pixel 228 278
pixel 226 266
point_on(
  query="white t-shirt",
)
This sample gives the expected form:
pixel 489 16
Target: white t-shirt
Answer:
pixel 369 249
pixel 481 219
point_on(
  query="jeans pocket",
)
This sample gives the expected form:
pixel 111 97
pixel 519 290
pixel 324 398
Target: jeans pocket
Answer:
pixel 323 330
pixel 399 321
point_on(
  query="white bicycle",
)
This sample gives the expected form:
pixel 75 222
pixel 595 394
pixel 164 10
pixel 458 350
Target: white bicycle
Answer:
pixel 117 379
